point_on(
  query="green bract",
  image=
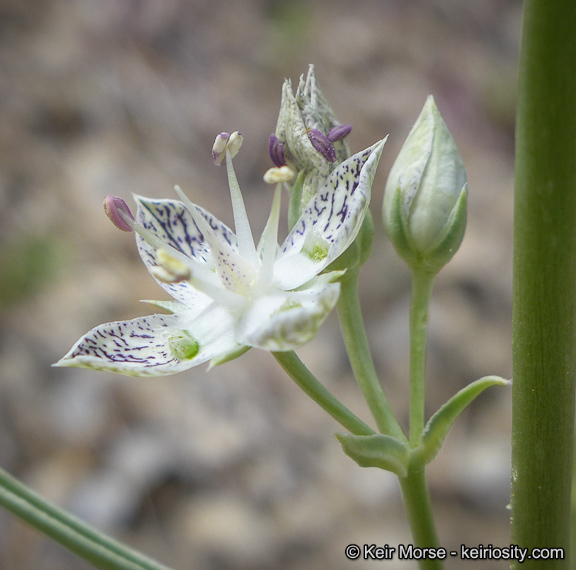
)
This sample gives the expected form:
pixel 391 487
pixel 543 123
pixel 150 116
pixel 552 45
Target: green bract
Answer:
pixel 377 450
pixel 426 193
pixel 440 423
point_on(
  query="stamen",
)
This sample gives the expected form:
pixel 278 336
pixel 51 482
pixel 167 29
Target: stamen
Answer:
pixel 223 143
pixel 219 148
pixel 162 274
pixel 116 209
pixel 282 174
pixel 276 151
pixel 338 132
pixel 246 245
pixel 218 293
pixel 321 143
pixel 153 240
pixel 227 146
pixel 234 143
pixel 235 272
pixel 171 270
pixel 270 240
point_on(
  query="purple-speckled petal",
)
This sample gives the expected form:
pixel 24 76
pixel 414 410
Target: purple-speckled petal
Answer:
pixel 156 345
pixel 170 221
pixel 330 222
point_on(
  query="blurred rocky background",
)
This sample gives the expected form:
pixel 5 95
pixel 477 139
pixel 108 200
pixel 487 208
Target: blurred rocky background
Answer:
pixel 235 469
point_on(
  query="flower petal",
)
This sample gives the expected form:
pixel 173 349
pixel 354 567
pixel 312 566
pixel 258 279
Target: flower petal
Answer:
pixel 236 273
pixel 156 345
pixel 330 222
pixel 283 322
pixel 170 221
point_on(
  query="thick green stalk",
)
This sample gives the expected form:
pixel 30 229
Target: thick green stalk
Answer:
pixel 78 537
pixel 573 511
pixel 354 334
pixel 422 283
pixel 325 399
pixel 419 512
pixel 544 336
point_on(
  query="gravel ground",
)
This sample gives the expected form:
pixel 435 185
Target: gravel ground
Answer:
pixel 235 468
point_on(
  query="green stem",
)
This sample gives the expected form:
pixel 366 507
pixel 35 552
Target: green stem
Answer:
pixel 414 486
pixel 544 321
pixel 325 399
pixel 75 535
pixel 422 284
pixel 419 512
pixel 358 349
pixel 573 510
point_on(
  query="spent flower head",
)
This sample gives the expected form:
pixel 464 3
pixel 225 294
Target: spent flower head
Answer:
pixel 308 137
pixel 229 294
pixel 426 193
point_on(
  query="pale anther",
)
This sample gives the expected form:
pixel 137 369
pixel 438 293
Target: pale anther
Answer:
pixel 234 143
pixel 226 142
pixel 171 269
pixel 281 174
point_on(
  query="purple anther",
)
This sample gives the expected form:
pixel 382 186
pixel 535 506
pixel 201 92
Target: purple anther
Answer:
pixel 338 132
pixel 321 143
pixel 118 212
pixel 276 150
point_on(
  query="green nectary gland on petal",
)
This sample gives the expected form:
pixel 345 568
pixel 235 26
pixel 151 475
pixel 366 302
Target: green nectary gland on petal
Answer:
pixel 288 305
pixel 316 247
pixel 184 346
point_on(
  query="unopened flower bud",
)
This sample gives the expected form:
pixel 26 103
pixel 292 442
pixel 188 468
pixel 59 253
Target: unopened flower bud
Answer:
pixel 426 193
pixel 118 212
pixel 303 121
pixel 321 143
pixel 226 142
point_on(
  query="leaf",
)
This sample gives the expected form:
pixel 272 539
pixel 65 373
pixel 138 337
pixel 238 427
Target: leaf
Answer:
pixel 376 450
pixel 440 423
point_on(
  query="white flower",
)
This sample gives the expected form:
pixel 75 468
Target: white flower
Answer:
pixel 229 294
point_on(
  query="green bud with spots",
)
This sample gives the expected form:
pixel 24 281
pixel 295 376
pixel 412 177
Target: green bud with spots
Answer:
pixel 426 194
pixel 184 346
